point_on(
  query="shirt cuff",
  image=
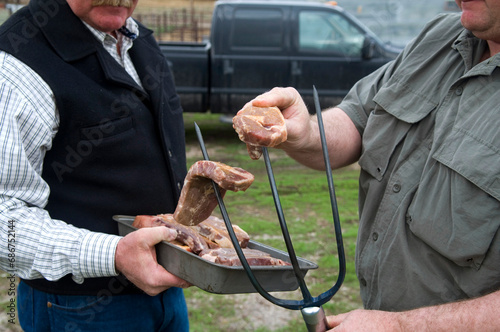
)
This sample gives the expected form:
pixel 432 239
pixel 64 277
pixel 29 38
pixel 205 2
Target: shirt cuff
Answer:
pixel 97 256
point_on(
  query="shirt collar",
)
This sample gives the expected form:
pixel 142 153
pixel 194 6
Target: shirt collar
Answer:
pixel 470 48
pixel 129 30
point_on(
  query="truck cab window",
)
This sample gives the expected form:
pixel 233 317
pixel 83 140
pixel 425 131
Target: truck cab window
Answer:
pixel 329 32
pixel 257 28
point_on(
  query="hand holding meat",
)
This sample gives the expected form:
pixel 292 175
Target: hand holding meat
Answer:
pixel 303 141
pixel 294 117
pixel 260 126
pixel 135 257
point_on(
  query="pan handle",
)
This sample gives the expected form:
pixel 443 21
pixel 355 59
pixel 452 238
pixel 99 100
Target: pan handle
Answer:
pixel 315 319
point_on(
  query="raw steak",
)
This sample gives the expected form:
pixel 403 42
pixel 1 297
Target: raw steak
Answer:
pixel 197 200
pixel 185 235
pixel 147 221
pixel 227 256
pixel 214 229
pixel 260 126
pixel 211 233
pixel 216 247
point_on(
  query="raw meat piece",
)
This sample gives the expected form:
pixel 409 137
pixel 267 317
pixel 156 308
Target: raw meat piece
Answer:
pixel 181 245
pixel 217 248
pixel 147 221
pixel 214 229
pixel 197 200
pixel 228 257
pixel 185 235
pixel 260 126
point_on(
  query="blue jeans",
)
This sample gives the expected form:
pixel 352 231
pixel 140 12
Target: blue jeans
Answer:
pixel 40 312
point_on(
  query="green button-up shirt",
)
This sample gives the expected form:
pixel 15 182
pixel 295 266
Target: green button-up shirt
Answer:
pixel 430 172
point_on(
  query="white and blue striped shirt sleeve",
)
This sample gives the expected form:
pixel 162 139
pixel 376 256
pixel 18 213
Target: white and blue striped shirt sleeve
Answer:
pixel 37 246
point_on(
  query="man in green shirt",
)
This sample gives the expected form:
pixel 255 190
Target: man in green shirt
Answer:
pixel 424 130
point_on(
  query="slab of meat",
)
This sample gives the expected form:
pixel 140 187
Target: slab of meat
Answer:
pixel 147 221
pixel 210 240
pixel 228 257
pixel 198 200
pixel 260 126
pixel 185 235
pixel 214 229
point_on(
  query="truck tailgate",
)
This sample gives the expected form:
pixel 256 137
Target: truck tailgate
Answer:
pixel 190 64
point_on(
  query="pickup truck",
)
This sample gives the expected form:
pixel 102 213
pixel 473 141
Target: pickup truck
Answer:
pixel 257 45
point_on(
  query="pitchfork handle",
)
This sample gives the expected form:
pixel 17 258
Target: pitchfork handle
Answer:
pixel 315 319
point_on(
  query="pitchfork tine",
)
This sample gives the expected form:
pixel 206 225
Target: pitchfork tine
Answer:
pixel 234 239
pixel 311 309
pixel 284 229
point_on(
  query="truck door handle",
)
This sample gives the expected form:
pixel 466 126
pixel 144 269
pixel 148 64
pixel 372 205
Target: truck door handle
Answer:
pixel 296 70
pixel 227 68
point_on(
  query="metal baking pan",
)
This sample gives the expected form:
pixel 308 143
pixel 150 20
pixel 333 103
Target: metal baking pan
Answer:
pixel 221 279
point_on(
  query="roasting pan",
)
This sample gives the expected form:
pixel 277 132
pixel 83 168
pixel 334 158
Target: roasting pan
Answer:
pixel 221 279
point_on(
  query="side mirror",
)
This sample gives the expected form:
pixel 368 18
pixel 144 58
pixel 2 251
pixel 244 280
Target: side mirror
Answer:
pixel 368 48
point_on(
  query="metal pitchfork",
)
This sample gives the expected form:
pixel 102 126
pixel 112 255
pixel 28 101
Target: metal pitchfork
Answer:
pixel 310 306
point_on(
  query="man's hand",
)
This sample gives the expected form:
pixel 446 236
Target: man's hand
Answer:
pixel 136 258
pixel 295 112
pixel 479 314
pixel 303 143
pixel 365 320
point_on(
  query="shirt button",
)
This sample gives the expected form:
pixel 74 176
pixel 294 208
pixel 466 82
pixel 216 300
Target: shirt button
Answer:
pixel 375 236
pixel 170 153
pixel 396 188
pixel 459 91
pixel 179 185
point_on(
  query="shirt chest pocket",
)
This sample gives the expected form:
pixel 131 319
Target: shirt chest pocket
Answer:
pixel 398 108
pixel 453 211
pixel 456 209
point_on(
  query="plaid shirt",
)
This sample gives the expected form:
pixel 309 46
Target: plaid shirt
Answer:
pixel 35 245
